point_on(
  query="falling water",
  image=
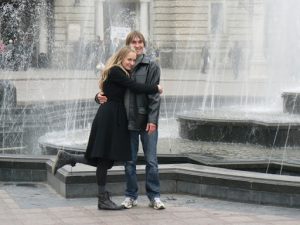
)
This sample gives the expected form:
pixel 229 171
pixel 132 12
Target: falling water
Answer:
pixel 61 107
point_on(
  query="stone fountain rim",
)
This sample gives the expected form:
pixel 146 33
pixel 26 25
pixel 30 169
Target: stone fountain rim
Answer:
pixel 204 119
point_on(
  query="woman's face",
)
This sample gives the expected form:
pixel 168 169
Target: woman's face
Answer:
pixel 129 61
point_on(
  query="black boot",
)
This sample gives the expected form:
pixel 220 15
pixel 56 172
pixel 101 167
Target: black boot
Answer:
pixel 104 202
pixel 62 158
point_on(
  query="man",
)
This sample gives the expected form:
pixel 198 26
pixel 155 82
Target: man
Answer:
pixel 205 55
pixel 9 55
pixel 236 57
pixel 143 113
pixel 2 52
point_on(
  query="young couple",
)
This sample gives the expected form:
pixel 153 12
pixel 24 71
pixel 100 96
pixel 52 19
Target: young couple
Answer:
pixel 129 111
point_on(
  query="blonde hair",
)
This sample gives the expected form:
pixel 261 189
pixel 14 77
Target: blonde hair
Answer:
pixel 115 60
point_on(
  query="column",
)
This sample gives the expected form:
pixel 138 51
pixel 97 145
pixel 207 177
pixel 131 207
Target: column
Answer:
pixel 258 62
pixel 144 18
pixel 99 18
pixel 43 45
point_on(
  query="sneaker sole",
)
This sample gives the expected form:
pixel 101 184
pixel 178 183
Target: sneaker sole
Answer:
pixel 131 206
pixel 156 208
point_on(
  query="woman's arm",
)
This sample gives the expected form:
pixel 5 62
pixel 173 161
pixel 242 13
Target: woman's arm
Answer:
pixel 117 75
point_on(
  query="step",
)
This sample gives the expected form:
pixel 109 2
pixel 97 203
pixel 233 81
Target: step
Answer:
pixel 199 180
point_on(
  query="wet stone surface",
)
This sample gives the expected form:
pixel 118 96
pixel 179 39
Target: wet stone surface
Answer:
pixel 171 144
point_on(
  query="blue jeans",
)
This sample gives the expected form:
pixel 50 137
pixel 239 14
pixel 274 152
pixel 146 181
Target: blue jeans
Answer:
pixel 149 143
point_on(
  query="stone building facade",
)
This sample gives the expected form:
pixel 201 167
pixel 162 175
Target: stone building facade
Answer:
pixel 78 22
pixel 179 29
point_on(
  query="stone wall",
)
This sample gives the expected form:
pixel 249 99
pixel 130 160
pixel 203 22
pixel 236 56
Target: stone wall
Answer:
pixel 180 29
pixel 71 22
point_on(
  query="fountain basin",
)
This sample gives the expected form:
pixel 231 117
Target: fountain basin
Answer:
pixel 266 129
pixel 291 101
pixel 199 180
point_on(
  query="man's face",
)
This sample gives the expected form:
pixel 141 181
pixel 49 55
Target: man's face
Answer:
pixel 138 45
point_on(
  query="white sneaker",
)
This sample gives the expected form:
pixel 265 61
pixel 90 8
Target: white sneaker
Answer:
pixel 156 203
pixel 128 203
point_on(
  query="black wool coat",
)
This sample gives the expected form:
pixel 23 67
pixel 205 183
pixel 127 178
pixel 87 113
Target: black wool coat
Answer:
pixel 109 136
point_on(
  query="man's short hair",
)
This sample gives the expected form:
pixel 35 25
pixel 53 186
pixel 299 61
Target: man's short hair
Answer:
pixel 132 35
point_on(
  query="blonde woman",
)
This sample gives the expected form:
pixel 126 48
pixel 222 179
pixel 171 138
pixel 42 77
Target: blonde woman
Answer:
pixel 109 139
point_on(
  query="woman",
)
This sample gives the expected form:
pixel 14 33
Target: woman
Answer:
pixel 109 138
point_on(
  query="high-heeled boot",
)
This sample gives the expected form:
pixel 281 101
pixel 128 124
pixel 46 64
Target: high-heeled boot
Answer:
pixel 63 158
pixel 104 202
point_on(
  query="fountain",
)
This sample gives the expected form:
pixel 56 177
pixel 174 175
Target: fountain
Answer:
pixel 241 112
pixel 262 109
pixel 257 117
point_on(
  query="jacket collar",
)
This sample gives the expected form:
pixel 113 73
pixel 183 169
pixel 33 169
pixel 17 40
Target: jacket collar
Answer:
pixel 143 59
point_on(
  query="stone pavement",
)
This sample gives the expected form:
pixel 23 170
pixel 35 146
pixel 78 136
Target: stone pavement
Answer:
pixel 38 204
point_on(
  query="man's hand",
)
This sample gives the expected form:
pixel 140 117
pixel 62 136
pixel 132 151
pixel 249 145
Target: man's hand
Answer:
pixel 101 98
pixel 160 89
pixel 150 128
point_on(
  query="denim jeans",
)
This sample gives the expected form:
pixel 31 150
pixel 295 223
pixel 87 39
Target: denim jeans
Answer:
pixel 149 143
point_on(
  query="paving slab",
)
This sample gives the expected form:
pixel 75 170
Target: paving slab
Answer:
pixel 38 204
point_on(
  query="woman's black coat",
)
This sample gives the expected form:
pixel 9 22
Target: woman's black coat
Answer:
pixel 109 136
